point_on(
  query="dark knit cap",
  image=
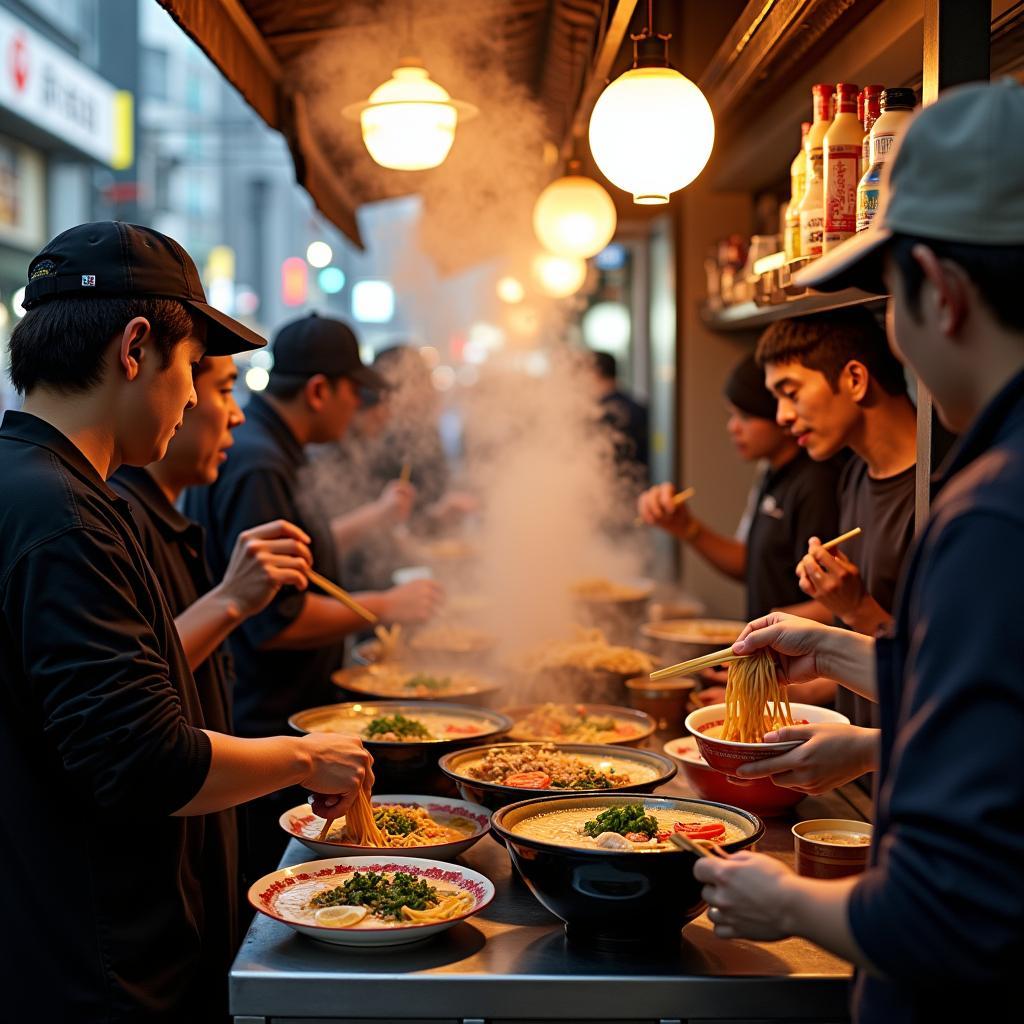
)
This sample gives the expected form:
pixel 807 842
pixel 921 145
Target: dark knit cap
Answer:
pixel 745 389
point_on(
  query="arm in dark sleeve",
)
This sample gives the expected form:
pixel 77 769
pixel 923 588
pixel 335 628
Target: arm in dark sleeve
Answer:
pixel 256 498
pixel 945 904
pixel 108 704
pixel 816 511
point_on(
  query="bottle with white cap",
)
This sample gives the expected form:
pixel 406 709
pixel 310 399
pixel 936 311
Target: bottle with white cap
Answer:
pixel 843 143
pixel 812 206
pixel 897 109
pixel 798 185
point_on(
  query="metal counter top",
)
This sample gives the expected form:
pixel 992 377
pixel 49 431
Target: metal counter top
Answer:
pixel 512 963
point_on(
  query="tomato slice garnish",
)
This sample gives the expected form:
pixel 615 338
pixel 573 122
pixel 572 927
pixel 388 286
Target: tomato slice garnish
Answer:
pixel 638 837
pixel 701 829
pixel 529 780
pixel 462 730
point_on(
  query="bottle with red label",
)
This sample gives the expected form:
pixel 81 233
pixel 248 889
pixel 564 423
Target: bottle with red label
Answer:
pixel 812 214
pixel 872 100
pixel 842 152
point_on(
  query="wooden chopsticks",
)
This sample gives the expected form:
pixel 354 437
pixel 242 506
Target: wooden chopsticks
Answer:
pixel 406 472
pixel 341 595
pixel 684 668
pixel 842 538
pixel 697 846
pixel 328 822
pixel 676 502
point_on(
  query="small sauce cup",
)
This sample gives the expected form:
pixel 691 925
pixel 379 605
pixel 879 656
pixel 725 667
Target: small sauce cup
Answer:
pixel 831 847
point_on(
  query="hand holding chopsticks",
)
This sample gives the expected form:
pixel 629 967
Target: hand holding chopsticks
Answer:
pixel 677 500
pixel 343 596
pixel 685 668
pixel 701 847
pixel 841 539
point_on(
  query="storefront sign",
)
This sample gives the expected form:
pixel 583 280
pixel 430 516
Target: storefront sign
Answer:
pixel 49 87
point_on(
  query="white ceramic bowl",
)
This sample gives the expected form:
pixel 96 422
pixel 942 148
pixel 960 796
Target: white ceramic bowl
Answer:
pixel 302 824
pixel 266 896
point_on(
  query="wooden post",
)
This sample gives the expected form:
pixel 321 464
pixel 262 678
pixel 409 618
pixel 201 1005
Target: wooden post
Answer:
pixel 957 41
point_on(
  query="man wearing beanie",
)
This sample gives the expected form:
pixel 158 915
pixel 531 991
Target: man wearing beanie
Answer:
pixel 792 500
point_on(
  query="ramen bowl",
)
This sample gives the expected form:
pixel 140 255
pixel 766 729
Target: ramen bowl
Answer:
pixel 831 847
pixel 400 680
pixel 652 770
pixel 630 727
pixel 616 898
pixel 761 796
pixel 302 824
pixel 728 755
pixel 682 639
pixel 281 895
pixel 403 765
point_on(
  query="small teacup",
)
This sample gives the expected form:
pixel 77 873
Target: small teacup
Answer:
pixel 831 847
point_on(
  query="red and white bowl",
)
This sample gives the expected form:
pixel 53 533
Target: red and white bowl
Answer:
pixel 301 823
pixel 278 893
pixel 727 756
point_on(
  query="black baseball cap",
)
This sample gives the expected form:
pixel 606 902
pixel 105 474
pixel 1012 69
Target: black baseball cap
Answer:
pixel 318 344
pixel 118 260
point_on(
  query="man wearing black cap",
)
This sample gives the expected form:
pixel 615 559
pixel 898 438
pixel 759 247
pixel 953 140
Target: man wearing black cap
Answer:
pixel 794 499
pixel 284 656
pixel 103 738
pixel 938 917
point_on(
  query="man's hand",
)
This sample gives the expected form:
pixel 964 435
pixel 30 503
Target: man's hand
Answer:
pixel 656 508
pixel 265 559
pixel 415 602
pixel 797 644
pixel 830 755
pixel 831 578
pixel 396 501
pixel 339 767
pixel 748 895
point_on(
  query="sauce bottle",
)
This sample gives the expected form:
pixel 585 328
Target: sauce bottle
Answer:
pixel 897 106
pixel 842 149
pixel 872 108
pixel 812 206
pixel 798 185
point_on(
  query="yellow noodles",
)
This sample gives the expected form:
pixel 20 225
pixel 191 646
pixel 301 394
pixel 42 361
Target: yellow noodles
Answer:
pixel 755 702
pixel 453 905
pixel 363 826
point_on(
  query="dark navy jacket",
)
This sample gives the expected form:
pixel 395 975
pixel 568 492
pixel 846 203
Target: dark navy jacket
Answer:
pixel 941 912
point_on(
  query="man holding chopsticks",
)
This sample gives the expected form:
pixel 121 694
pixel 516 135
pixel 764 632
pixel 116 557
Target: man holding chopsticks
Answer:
pixel 939 916
pixel 285 654
pixel 112 764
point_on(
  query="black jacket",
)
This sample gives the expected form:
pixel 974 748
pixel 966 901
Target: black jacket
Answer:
pixel 100 742
pixel 941 911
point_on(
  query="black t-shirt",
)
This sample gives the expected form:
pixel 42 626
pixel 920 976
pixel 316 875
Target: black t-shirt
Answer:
pixel 174 547
pixel 260 482
pixel 884 510
pixel 795 502
pixel 100 742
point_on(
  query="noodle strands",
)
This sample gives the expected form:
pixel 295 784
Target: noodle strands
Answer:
pixel 755 700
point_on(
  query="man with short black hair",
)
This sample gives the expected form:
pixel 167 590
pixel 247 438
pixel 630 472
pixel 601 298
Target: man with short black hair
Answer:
pixel 625 418
pixel 103 736
pixel 939 915
pixel 285 655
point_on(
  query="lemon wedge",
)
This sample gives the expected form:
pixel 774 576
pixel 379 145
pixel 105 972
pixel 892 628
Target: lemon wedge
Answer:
pixel 340 917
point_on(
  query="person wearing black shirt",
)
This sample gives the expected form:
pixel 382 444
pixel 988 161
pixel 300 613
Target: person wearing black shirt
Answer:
pixel 101 723
pixel 839 386
pixel 624 417
pixel 938 917
pixel 284 655
pixel 794 499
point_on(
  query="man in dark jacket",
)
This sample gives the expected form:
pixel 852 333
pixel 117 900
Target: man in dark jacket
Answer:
pixel 939 916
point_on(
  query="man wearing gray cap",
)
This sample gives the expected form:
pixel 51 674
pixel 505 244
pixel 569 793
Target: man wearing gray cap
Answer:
pixel 939 915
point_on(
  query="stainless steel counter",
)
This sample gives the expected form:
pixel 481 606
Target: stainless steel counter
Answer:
pixel 512 963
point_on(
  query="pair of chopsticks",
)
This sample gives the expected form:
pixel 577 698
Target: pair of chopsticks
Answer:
pixel 341 595
pixel 724 656
pixel 676 502
pixel 406 473
pixel 700 847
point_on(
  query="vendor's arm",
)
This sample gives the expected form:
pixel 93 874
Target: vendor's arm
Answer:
pixel 728 555
pixel 394 506
pixel 264 559
pixel 808 650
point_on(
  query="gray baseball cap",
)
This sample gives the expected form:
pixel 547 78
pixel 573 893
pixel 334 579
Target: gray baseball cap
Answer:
pixel 957 176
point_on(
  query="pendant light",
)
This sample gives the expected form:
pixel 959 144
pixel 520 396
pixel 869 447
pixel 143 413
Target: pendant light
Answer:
pixel 559 276
pixel 651 130
pixel 409 121
pixel 574 216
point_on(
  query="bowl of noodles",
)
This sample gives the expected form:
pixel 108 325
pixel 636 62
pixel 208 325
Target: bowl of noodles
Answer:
pixel 732 734
pixel 418 826
pixel 579 723
pixel 371 901
pixel 606 866
pixel 617 607
pixel 502 773
pixel 683 639
pixel 402 681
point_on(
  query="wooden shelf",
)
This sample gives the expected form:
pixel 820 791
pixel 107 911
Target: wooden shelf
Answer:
pixel 748 316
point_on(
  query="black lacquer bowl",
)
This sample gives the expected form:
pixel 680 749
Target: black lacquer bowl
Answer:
pixel 611 898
